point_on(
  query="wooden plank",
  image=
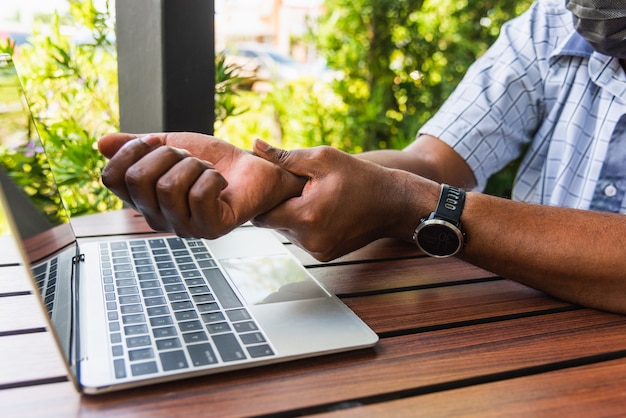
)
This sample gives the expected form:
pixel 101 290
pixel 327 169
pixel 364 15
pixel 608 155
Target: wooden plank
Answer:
pixel 9 251
pixel 45 400
pixel 422 362
pixel 29 357
pixel 586 391
pixel 388 275
pixel 447 306
pixel 18 313
pixel 14 279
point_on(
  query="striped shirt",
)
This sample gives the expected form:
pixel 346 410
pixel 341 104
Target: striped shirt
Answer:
pixel 541 91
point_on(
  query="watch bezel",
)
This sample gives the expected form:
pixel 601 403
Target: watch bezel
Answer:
pixel 440 222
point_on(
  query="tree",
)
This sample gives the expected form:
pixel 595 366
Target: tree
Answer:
pixel 402 58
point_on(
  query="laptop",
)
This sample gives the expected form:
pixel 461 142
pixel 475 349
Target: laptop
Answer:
pixel 131 312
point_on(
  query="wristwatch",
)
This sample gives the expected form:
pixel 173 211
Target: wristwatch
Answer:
pixel 440 235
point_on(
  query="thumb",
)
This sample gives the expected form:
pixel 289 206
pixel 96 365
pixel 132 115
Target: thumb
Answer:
pixel 110 144
pixel 284 159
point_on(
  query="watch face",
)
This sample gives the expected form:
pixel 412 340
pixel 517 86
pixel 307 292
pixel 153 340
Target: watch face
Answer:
pixel 439 238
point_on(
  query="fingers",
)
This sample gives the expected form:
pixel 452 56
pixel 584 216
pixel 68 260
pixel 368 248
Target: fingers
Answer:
pixel 188 195
pixel 284 159
pixel 110 144
pixel 114 173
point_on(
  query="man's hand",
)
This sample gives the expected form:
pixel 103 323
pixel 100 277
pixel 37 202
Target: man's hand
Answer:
pixel 192 184
pixel 347 202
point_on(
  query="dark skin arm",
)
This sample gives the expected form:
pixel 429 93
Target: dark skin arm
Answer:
pixel 347 202
pixel 575 255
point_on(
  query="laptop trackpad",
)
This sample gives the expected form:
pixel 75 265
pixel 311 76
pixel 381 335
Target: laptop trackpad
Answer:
pixel 270 279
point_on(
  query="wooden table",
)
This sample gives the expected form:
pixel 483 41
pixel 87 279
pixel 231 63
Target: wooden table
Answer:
pixel 454 341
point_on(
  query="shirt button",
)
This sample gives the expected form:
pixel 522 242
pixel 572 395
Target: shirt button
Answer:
pixel 610 190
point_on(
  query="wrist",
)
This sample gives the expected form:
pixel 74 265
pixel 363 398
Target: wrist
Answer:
pixel 419 198
pixel 440 235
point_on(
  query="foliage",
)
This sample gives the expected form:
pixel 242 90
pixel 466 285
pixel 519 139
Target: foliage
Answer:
pixel 71 80
pixel 402 58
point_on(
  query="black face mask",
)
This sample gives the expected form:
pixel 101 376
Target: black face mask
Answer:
pixel 602 23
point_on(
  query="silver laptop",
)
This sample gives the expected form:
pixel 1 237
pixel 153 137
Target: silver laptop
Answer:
pixel 127 313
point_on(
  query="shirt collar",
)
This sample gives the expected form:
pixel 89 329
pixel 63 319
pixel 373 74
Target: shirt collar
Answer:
pixel 574 45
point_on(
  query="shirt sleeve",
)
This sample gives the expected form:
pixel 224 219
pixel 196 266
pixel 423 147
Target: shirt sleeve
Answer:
pixel 496 108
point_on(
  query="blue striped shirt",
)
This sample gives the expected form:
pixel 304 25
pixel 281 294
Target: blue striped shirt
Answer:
pixel 542 88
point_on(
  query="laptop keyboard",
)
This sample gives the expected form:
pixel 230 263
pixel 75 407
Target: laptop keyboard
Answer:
pixel 170 307
pixel 46 280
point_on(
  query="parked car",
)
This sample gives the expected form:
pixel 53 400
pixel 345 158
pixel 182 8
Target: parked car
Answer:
pixel 263 63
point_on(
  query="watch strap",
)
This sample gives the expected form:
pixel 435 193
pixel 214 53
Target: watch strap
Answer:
pixel 450 205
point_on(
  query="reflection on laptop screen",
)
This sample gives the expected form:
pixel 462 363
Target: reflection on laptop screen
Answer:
pixel 33 199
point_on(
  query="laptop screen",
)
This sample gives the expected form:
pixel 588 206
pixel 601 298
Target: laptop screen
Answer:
pixel 26 175
pixel 34 206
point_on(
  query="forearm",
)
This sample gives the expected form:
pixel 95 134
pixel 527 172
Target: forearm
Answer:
pixel 572 254
pixel 428 157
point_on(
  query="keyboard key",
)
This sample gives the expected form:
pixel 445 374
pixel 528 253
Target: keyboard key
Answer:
pixel 120 368
pixel 158 310
pixel 238 315
pixel 260 351
pixel 219 327
pixel 140 341
pixel 129 290
pixel 164 332
pixel 245 326
pixel 252 338
pixel 116 338
pixel 168 344
pixel 134 319
pixel 166 265
pixel 124 300
pixel 173 360
pixel 179 306
pixel 176 243
pixel 118 246
pixel 201 354
pixel 183 260
pixel 144 368
pixel 190 326
pixel 150 293
pixel 171 280
pixel 222 289
pixel 147 284
pixel 156 243
pixel 141 354
pixel 228 347
pixel 203 298
pixel 155 301
pixel 125 282
pixel 117 350
pixel 174 287
pixel 131 309
pixel 124 274
pixel 212 317
pixel 160 321
pixel 195 337
pixel 136 329
pixel 186 315
pixel 198 290
pixel 114 326
pixel 195 281
pixel 147 276
pixel 173 297
pixel 208 307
